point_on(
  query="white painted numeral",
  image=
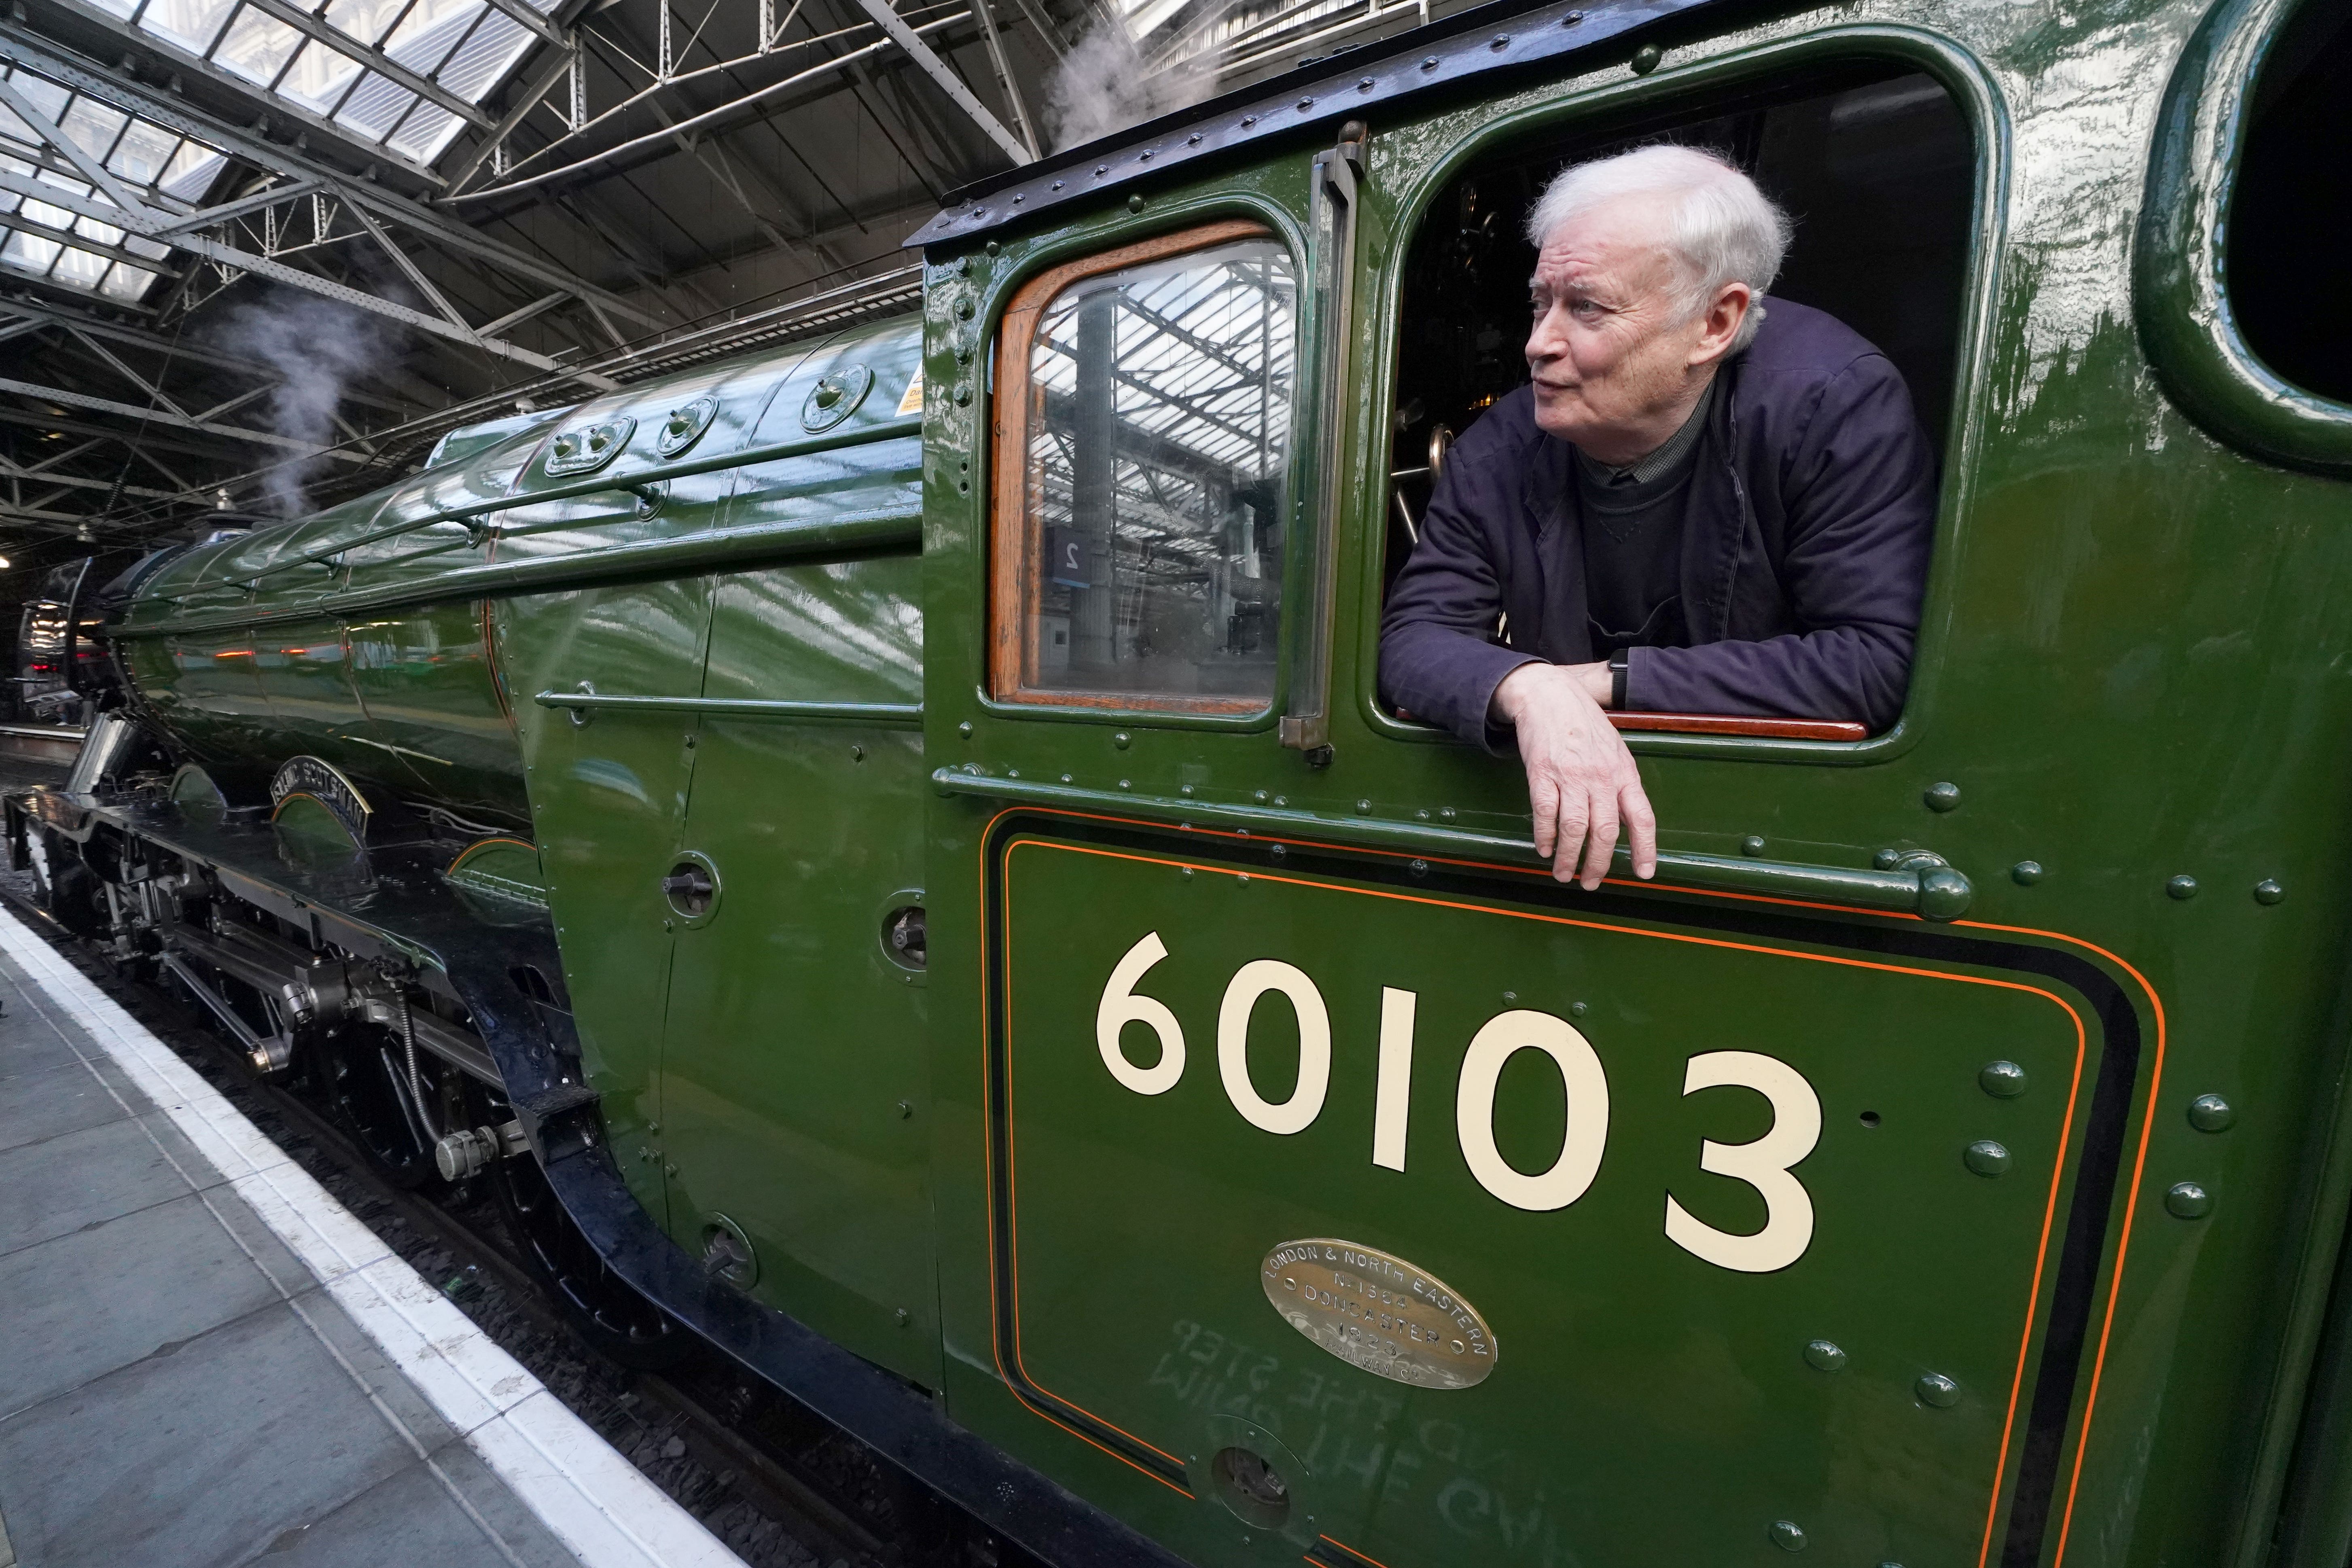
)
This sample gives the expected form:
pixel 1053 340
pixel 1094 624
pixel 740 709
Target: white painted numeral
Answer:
pixel 1120 1006
pixel 1252 981
pixel 1581 1140
pixel 1763 1164
pixel 1392 1091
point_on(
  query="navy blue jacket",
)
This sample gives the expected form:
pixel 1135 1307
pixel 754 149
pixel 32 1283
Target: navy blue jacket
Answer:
pixel 1810 515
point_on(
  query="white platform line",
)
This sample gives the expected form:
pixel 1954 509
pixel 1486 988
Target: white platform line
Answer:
pixel 594 1501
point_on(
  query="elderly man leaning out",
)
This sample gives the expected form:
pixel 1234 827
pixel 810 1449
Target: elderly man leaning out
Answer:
pixel 1705 502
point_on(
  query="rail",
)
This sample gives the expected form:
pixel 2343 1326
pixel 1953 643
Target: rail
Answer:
pixel 897 715
pixel 1929 888
pixel 635 483
pixel 713 550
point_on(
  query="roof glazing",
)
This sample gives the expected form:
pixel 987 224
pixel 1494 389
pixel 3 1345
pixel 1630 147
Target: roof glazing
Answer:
pixel 328 68
pixel 44 240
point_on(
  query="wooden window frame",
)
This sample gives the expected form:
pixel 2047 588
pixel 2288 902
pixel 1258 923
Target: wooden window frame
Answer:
pixel 1014 591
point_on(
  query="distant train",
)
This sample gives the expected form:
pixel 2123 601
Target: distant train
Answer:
pixel 888 855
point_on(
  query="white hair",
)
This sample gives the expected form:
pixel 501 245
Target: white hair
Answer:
pixel 1718 224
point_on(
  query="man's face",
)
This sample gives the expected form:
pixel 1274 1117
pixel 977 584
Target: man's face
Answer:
pixel 1615 359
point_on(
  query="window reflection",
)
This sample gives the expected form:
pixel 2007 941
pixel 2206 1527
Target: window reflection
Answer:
pixel 1157 424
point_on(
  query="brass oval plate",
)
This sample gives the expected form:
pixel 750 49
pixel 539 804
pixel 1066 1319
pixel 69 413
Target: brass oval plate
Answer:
pixel 1375 1310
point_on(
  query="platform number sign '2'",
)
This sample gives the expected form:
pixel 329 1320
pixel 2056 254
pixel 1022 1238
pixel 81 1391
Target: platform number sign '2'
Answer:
pixel 1764 1164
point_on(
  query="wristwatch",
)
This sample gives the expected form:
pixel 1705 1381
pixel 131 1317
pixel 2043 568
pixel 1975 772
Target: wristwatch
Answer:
pixel 1617 670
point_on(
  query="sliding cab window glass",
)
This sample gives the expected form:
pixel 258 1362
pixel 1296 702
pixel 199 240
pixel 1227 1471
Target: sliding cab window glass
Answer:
pixel 1142 454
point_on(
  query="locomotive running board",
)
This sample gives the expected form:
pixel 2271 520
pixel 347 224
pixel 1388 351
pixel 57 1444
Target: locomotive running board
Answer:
pixel 414 912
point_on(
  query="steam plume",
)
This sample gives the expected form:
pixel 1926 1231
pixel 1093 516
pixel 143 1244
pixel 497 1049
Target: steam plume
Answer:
pixel 1102 86
pixel 317 348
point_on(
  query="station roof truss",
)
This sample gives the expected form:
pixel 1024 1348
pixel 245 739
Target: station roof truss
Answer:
pixel 505 203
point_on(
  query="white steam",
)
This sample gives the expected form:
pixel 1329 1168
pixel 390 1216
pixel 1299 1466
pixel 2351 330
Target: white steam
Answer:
pixel 1102 86
pixel 317 348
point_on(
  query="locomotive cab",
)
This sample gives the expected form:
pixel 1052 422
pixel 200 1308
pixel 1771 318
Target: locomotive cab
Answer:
pixel 1351 1189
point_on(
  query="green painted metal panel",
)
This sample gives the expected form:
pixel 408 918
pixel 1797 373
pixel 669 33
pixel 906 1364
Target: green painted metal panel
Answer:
pixel 607 803
pixel 1629 1346
pixel 216 707
pixel 434 711
pixel 794 1072
pixel 881 478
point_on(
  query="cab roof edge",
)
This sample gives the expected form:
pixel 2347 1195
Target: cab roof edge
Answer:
pixel 1501 35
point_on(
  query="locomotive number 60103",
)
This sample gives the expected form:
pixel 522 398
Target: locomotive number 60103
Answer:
pixel 1766 1164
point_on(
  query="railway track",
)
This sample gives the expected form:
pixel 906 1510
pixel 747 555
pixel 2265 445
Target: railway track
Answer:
pixel 781 1487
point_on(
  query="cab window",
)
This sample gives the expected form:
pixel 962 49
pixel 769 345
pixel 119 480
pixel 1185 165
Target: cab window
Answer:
pixel 1142 455
pixel 1875 167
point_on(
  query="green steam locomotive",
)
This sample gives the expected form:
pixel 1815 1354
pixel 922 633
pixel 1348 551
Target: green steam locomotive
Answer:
pixel 799 828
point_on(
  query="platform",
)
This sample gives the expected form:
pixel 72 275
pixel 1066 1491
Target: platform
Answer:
pixel 206 1360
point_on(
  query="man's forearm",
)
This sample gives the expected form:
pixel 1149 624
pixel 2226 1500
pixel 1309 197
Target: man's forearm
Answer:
pixel 1844 672
pixel 1447 678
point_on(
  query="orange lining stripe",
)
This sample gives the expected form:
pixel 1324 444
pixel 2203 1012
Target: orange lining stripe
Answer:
pixel 1014 1210
pixel 468 851
pixel 294 795
pixel 2058 1169
pixel 996 1310
pixel 1343 1546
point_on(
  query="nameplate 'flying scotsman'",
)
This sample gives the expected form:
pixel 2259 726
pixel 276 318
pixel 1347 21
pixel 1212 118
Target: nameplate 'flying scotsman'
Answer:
pixel 890 853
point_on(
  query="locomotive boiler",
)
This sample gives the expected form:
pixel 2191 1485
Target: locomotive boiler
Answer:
pixel 889 855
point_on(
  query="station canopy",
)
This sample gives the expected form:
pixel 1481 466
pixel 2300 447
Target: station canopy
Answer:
pixel 40 239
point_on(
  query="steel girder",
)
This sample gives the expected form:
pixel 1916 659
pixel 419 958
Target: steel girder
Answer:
pixel 19 45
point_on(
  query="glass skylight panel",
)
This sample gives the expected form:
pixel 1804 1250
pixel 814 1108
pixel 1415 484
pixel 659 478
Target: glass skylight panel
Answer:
pixel 143 153
pixel 189 174
pixel 257 45
pixel 126 281
pixel 139 152
pixel 319 77
pixel 93 126
pixel 485 57
pixel 43 94
pixel 79 268
pixel 465 46
pixel 429 32
pixel 28 252
pixel 426 132
pixel 191 24
pixel 43 212
pixel 366 20
pixel 374 107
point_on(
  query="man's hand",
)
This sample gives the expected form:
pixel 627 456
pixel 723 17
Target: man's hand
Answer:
pixel 1581 781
